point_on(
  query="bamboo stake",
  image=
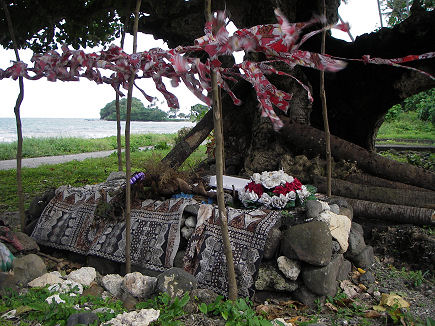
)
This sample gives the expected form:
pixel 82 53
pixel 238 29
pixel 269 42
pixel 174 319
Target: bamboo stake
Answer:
pixel 217 118
pixel 18 122
pixel 127 150
pixel 348 31
pixel 118 113
pixel 380 13
pixel 325 116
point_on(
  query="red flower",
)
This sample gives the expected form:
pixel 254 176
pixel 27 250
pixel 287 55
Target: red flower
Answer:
pixel 297 184
pixel 281 190
pixel 255 187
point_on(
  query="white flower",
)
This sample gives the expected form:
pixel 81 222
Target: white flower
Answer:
pixel 288 178
pixel 252 196
pixel 291 195
pixel 256 177
pixel 271 179
pixel 265 199
pixel 247 196
pixel 303 193
pixel 277 179
pixel 279 201
pixel 268 183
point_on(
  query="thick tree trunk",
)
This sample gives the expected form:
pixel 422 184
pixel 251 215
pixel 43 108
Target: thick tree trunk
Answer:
pixel 393 213
pixel 190 142
pixel 424 199
pixel 312 140
pixel 370 180
pixel 358 97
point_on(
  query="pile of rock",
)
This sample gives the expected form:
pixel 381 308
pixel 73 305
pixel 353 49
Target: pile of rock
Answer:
pixel 308 253
pixel 30 271
pixel 311 251
pixel 305 255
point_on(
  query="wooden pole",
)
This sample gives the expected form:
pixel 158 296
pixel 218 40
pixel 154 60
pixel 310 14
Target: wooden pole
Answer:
pixel 217 118
pixel 127 150
pixel 325 116
pixel 18 102
pixel 348 30
pixel 118 112
pixel 380 13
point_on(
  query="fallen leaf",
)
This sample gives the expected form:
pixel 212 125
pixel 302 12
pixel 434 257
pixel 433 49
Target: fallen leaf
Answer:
pixel 362 287
pixel 293 304
pixel 271 310
pixel 393 300
pixel 350 289
pixel 344 302
pixel 299 319
pixel 331 307
pixel 361 271
pixel 379 308
pixel 372 314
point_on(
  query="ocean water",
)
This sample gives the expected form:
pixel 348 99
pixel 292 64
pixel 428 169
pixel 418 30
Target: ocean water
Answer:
pixel 81 128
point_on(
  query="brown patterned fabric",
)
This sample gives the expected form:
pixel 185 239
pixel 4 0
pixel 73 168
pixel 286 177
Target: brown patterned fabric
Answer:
pixel 205 259
pixel 68 222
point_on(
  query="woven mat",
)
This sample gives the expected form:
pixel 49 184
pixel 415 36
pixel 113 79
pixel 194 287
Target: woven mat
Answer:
pixel 68 222
pixel 205 259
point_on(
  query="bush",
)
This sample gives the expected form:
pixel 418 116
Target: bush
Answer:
pixel 393 113
pixel 182 133
pixel 162 145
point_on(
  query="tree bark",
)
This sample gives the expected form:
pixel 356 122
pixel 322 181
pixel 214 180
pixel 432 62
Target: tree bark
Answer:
pixel 360 95
pixel 394 213
pixel 312 141
pixel 343 188
pixel 370 180
pixel 182 150
pixel 18 102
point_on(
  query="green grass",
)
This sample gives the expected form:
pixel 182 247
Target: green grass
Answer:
pixel 32 308
pixel 407 126
pixel 75 173
pixel 37 147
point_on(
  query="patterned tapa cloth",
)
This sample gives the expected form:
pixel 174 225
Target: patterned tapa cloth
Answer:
pixel 205 258
pixel 68 222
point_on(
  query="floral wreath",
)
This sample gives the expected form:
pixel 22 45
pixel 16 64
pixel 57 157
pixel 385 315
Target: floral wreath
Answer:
pixel 275 189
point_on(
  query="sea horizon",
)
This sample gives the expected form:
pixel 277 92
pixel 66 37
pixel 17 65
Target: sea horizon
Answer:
pixel 82 128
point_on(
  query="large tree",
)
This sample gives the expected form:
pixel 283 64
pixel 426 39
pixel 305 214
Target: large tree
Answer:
pixel 358 96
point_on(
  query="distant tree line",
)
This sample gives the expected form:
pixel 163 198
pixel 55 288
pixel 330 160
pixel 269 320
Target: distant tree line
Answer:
pixel 423 103
pixel 138 111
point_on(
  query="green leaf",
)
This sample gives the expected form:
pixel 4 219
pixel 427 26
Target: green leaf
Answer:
pixel 241 304
pixel 203 308
pixel 224 314
pixel 184 300
pixel 23 309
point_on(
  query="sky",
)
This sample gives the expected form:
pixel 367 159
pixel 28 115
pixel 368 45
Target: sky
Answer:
pixel 85 99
